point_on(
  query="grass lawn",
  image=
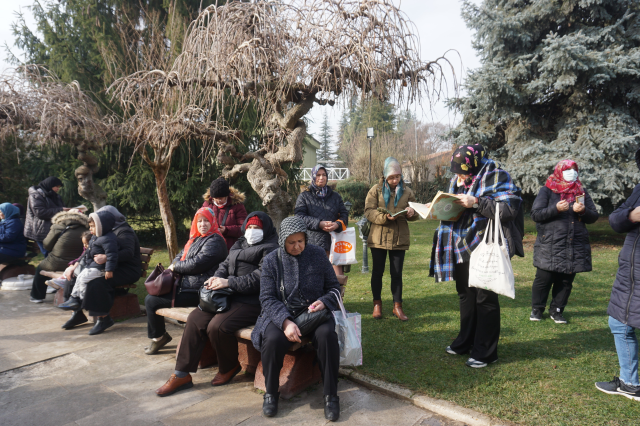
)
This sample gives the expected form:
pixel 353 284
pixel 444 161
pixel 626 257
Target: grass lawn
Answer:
pixel 546 371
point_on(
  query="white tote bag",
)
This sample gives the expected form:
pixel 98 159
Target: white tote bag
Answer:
pixel 348 329
pixel 343 247
pixel 490 266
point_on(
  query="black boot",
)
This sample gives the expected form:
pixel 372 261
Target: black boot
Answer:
pixel 331 407
pixel 270 404
pixel 78 317
pixel 101 325
pixel 71 305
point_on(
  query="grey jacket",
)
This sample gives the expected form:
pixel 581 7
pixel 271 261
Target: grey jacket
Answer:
pixel 41 207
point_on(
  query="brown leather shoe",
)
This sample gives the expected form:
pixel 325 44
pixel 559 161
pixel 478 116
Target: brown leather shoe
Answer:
pixel 175 384
pixel 223 379
pixel 377 309
pixel 397 311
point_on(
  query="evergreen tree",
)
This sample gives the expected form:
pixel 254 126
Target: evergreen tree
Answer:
pixel 325 153
pixel 559 79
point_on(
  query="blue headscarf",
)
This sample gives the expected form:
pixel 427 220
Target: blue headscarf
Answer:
pixel 319 192
pixel 392 167
pixel 9 211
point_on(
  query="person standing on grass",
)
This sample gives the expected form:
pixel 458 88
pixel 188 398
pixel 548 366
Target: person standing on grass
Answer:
pixel 624 304
pixel 388 234
pixel 480 185
pixel 227 205
pixel 323 211
pixel 562 246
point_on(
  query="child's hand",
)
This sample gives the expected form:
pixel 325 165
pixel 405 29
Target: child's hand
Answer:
pixel 108 275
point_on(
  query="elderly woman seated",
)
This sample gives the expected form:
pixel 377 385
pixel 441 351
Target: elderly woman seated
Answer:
pixel 241 273
pixel 297 278
pixel 13 245
pixel 197 262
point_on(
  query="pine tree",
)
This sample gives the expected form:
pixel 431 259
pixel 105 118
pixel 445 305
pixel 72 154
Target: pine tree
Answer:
pixel 325 153
pixel 559 79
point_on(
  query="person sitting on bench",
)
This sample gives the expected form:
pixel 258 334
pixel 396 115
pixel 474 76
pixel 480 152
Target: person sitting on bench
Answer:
pixel 240 272
pixel 197 262
pixel 297 275
pixel 104 241
pixel 62 281
pixel 13 245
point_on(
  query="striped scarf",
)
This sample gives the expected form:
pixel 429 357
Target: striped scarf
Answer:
pixel 456 240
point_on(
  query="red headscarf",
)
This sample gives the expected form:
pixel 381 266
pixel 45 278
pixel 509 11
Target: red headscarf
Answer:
pixel 207 213
pixel 556 183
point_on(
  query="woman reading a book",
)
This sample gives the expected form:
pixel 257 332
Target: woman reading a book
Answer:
pixel 479 184
pixel 389 233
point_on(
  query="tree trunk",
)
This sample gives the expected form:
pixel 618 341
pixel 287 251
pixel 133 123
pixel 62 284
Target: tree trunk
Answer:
pixel 87 188
pixel 160 172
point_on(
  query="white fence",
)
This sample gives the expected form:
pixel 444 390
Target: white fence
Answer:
pixel 333 174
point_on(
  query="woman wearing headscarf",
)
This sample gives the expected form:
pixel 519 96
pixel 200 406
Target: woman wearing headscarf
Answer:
pixel 226 203
pixel 480 185
pixel 306 274
pixel 64 244
pixel 196 263
pixel 562 246
pixel 240 272
pixel 43 203
pixel 322 210
pixel 13 245
pixel 389 235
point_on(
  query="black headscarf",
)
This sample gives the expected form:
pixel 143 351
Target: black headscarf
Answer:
pixel 49 183
pixel 467 159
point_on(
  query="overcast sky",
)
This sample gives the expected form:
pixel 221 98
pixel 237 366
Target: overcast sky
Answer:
pixel 440 28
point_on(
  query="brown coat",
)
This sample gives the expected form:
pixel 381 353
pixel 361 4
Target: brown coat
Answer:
pixel 388 234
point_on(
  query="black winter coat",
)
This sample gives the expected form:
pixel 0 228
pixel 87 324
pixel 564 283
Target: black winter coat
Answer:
pixel 243 266
pixel 41 207
pixel 562 244
pixel 202 261
pixel 313 210
pixel 624 304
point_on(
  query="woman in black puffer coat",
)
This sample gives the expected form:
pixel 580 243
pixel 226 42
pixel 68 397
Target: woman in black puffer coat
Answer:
pixel 43 203
pixel 322 210
pixel 562 247
pixel 240 272
pixel 197 262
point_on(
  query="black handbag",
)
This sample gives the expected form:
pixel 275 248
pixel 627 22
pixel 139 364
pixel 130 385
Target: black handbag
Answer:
pixel 214 301
pixel 306 321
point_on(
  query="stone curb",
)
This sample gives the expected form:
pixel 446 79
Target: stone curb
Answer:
pixel 438 406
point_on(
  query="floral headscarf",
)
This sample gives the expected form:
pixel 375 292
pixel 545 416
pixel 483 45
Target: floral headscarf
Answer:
pixel 392 167
pixel 556 182
pixel 319 192
pixel 195 233
pixel 467 159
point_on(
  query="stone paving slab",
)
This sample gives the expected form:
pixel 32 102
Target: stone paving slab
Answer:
pixel 55 377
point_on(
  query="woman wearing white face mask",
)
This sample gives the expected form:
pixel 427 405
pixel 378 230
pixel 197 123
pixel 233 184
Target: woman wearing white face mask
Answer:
pixel 561 210
pixel 240 272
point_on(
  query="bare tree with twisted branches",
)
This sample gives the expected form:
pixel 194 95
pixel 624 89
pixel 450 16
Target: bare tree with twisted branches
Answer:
pixel 284 57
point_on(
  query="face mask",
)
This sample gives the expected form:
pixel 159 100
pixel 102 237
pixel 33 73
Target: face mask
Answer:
pixel 253 236
pixel 220 205
pixel 570 175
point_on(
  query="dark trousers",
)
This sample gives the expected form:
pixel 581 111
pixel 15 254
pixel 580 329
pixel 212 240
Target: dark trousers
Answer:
pixel 479 319
pixel 220 330
pixel 68 288
pixel 39 288
pixel 325 341
pixel 8 260
pixel 562 285
pixel 396 261
pixel 155 323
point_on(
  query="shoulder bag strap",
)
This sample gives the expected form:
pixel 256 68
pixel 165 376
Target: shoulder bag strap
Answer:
pixel 224 219
pixel 281 273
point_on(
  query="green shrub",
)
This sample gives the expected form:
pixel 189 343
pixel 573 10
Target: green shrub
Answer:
pixel 354 192
pixel 425 191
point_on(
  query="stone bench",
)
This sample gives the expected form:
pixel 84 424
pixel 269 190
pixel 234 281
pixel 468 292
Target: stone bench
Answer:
pixel 125 305
pixel 298 371
pixel 21 265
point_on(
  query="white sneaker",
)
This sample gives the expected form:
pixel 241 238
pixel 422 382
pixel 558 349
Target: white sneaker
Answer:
pixel 51 290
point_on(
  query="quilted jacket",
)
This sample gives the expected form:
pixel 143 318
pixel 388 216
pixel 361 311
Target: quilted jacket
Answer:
pixel 202 261
pixel 314 210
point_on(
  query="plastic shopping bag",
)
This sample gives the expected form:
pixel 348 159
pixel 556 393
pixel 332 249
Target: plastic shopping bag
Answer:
pixel 343 247
pixel 490 266
pixel 348 329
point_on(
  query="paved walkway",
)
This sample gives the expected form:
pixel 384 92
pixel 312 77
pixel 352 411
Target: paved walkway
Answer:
pixel 51 377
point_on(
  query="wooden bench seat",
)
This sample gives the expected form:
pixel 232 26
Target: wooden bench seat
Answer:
pixel 298 371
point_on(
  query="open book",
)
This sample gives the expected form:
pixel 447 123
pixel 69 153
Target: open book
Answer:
pixel 442 208
pixel 81 207
pixel 385 211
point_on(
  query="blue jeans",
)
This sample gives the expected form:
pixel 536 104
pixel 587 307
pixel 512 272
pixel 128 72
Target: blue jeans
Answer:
pixel 42 250
pixel 627 348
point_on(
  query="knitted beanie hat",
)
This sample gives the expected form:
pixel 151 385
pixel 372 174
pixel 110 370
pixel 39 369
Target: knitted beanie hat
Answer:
pixel 219 188
pixel 254 220
pixel 289 226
